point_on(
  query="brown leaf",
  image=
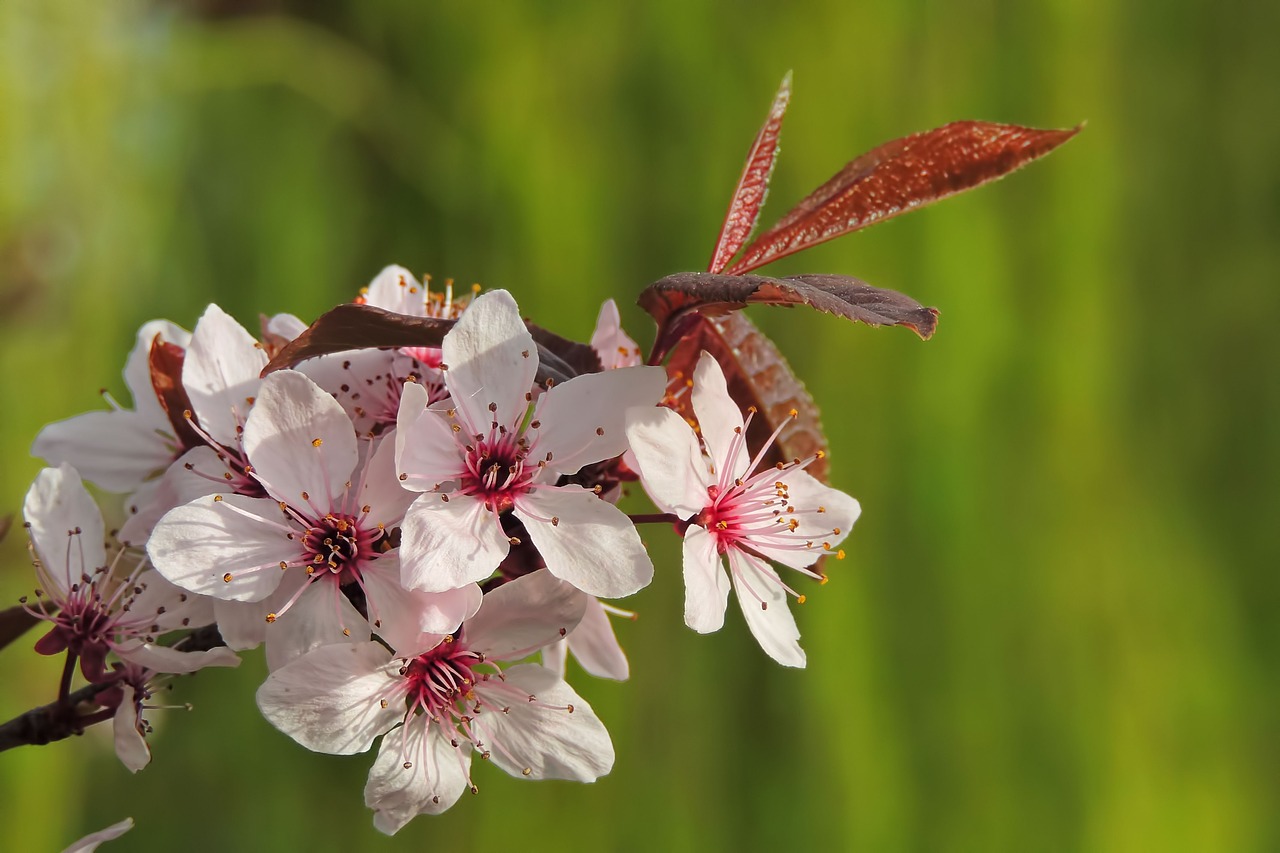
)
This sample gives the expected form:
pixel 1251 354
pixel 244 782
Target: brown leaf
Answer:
pixel 352 326
pixel 165 360
pixel 673 299
pixel 900 176
pixel 757 375
pixel 753 185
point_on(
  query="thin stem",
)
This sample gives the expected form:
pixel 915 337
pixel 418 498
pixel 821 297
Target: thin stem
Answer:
pixel 68 670
pixel 654 518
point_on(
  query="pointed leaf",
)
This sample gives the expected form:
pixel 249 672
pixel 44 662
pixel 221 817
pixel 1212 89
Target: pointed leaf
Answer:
pixel 753 185
pixel 165 361
pixel 673 299
pixel 899 176
pixel 757 375
pixel 351 326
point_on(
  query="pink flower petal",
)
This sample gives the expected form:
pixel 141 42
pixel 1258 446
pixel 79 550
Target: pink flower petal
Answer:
pixel 220 372
pixel 426 452
pixel 329 700
pixel 433 781
pixel 524 615
pixel 115 450
pixel 300 441
pixel 449 542
pixel 595 645
pixel 131 746
pixel 718 418
pixel 65 526
pixel 672 468
pixel 492 361
pixel 764 604
pixel 542 738
pixel 706 586
pixel 586 541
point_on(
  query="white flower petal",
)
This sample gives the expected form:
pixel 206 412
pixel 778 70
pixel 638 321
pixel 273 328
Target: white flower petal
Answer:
pixel 220 372
pixel 65 526
pixel 614 346
pixel 555 657
pixel 166 659
pixel 330 699
pixel 706 586
pixel 426 452
pixel 673 470
pixel 522 616
pixel 137 370
pixel 286 326
pixel 243 624
pixel 131 746
pixel 382 493
pixel 582 420
pixel 396 289
pixel 719 417
pixel 449 542
pixel 764 604
pixel 492 360
pixel 534 741
pixel 433 781
pixel 115 450
pixel 196 545
pixel 595 645
pixel 90 842
pixel 177 486
pixel 320 616
pixel 300 441
pixel 401 616
pixel 586 541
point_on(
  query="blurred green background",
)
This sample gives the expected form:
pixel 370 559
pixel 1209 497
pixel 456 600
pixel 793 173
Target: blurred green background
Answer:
pixel 1056 629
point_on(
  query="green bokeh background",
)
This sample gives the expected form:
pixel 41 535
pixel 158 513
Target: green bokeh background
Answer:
pixel 1056 629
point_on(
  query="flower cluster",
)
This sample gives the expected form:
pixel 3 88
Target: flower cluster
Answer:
pixel 418 535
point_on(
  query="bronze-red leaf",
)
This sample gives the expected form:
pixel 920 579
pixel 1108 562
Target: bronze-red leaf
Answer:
pixel 673 299
pixel 900 176
pixel 351 326
pixel 165 360
pixel 753 185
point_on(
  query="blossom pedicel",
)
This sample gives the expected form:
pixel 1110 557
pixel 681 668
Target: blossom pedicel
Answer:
pixel 412 501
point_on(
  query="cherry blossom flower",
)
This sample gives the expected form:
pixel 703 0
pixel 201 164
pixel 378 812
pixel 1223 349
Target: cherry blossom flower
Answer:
pixel 94 606
pixel 740 513
pixel 368 383
pixel 495 449
pixel 450 697
pixel 614 346
pixel 120 448
pixel 324 523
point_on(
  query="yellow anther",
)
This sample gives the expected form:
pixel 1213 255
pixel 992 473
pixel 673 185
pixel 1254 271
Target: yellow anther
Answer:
pixel 316 442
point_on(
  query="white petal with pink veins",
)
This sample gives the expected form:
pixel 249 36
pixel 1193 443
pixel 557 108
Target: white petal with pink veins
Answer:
pixel 402 616
pixel 426 451
pixel 718 418
pixel 448 542
pixel 706 586
pixel 65 526
pixel 586 541
pixel 196 545
pixel 382 493
pixel 435 777
pixel 595 645
pixel 131 746
pixel 522 616
pixel 673 470
pixel 320 616
pixel 492 359
pixel 243 624
pixel 329 700
pixel 582 420
pixel 396 289
pixel 220 372
pixel 115 450
pixel 533 741
pixel 177 486
pixel 166 659
pixel 300 441
pixel 764 605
